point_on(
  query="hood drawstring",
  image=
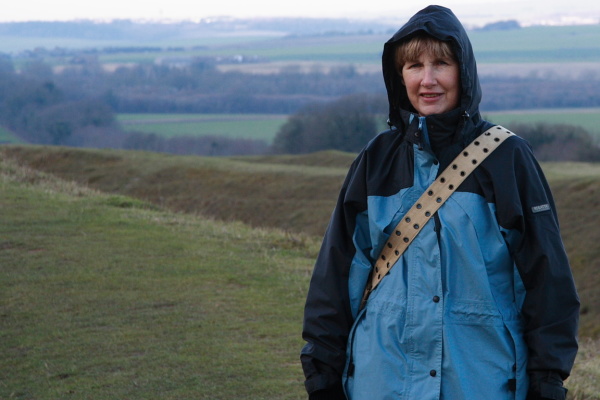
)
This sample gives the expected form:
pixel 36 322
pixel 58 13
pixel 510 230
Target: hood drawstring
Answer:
pixel 465 118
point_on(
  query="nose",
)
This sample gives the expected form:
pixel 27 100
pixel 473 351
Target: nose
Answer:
pixel 428 79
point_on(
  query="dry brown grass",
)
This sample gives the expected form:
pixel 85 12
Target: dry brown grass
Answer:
pixel 296 194
pixel 585 377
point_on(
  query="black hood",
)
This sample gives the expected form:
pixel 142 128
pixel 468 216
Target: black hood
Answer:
pixel 442 24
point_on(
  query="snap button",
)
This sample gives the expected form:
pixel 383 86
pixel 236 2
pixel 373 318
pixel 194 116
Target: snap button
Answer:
pixel 433 372
pixel 436 299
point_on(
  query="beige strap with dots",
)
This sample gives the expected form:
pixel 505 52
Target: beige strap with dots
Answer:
pixel 433 198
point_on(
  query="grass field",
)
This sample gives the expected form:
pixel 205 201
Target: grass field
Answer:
pixel 102 297
pixel 105 296
pixel 248 126
pixel 226 189
pixel 265 126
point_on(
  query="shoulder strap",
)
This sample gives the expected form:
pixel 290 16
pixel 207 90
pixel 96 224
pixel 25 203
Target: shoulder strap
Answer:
pixel 430 201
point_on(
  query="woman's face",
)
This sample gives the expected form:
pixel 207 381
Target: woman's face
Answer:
pixel 432 84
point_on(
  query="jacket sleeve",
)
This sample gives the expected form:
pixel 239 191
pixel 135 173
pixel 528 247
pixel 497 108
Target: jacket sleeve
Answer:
pixel 327 314
pixel 550 307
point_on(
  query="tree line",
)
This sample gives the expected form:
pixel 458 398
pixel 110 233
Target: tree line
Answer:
pixel 350 122
pixel 336 109
pixel 200 87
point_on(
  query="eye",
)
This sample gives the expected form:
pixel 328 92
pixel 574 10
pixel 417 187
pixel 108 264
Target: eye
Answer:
pixel 444 61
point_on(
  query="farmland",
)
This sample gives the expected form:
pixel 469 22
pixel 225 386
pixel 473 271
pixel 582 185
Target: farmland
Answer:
pixel 235 126
pixel 265 126
pixel 285 43
pixel 241 81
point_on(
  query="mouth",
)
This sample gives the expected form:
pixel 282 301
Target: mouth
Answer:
pixel 431 95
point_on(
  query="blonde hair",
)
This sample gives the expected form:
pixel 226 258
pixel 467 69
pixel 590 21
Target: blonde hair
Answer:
pixel 422 44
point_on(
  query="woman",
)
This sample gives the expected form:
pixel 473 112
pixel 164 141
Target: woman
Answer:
pixel 482 304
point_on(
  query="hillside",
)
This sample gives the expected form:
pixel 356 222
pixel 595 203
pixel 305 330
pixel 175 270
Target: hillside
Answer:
pixel 110 296
pixel 105 297
pixel 284 192
pixel 297 194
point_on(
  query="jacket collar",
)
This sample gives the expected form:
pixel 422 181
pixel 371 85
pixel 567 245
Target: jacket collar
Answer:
pixel 442 129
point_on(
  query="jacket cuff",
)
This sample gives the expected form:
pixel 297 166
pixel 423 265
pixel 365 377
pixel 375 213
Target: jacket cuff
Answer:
pixel 333 393
pixel 546 385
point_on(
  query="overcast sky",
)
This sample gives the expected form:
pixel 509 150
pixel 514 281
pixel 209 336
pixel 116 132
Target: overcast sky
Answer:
pixel 469 11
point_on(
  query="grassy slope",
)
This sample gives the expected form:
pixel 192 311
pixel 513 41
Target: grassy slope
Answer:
pixel 260 191
pixel 103 297
pixel 147 262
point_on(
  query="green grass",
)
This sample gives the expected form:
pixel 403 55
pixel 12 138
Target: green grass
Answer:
pixel 247 126
pixel 265 126
pixel 587 118
pixel 104 301
pixel 110 295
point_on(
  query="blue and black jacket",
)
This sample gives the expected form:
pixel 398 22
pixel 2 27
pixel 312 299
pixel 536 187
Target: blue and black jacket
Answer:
pixel 484 296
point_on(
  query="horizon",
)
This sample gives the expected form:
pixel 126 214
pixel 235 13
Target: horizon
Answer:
pixel 472 13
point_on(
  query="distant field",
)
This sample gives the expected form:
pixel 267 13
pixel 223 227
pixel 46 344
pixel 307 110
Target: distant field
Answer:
pixel 15 44
pixel 538 44
pixel 547 44
pixel 265 126
pixel 588 118
pixel 532 44
pixel 248 126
